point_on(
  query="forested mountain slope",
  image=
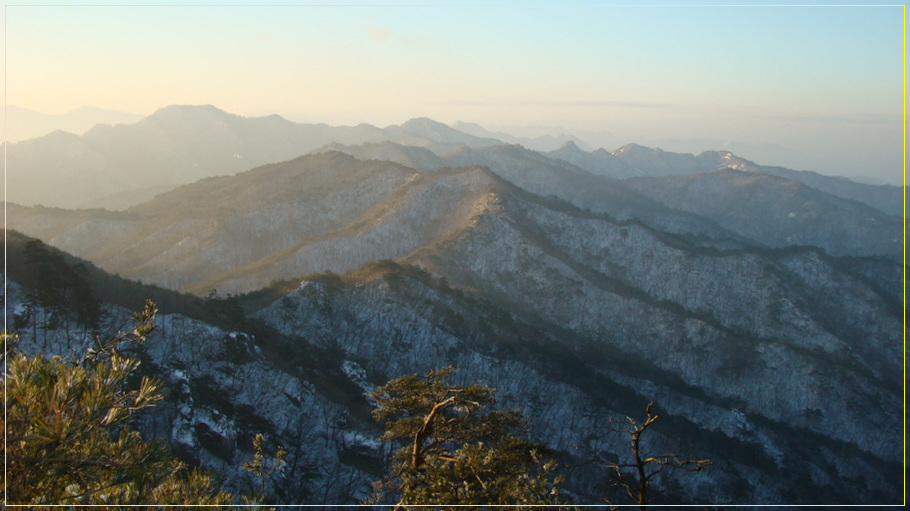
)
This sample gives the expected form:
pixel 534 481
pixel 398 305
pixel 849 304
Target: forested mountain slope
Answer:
pixel 763 315
pixel 765 410
pixel 779 212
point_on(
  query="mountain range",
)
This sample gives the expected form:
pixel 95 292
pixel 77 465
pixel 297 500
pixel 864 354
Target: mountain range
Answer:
pixel 24 124
pixel 118 166
pixel 760 308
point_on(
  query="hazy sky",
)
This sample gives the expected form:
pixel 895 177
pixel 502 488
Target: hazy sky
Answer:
pixel 826 83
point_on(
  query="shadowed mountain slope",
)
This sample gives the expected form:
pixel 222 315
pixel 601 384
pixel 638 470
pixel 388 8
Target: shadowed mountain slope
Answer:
pixel 418 158
pixel 779 212
pixel 774 363
pixel 547 142
pixel 580 297
pixel 549 177
pixel 656 162
pixel 599 162
pixel 745 204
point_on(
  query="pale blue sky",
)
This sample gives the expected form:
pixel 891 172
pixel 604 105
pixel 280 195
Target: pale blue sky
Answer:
pixel 824 82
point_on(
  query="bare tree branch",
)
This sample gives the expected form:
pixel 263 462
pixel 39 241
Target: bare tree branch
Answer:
pixel 646 468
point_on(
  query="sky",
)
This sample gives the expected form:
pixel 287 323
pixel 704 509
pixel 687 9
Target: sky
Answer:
pixel 812 88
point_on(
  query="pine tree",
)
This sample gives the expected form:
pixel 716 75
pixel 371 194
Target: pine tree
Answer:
pixel 262 466
pixel 68 434
pixel 456 449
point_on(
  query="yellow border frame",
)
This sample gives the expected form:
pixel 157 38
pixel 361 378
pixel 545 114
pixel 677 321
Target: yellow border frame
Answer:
pixel 5 330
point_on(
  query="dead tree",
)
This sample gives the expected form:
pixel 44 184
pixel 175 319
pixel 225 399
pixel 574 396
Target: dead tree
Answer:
pixel 635 477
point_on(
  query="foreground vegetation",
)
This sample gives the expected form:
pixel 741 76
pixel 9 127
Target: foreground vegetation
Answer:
pixel 68 438
pixel 70 441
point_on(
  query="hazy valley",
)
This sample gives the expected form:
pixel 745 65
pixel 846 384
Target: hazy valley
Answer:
pixel 760 308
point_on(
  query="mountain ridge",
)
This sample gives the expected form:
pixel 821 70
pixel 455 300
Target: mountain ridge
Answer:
pixel 390 319
pixel 23 124
pixel 270 212
pixel 771 343
pixel 185 237
pixel 120 166
pixel 791 212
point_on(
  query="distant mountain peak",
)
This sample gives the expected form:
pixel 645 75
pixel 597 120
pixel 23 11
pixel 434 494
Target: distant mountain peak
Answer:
pixel 424 126
pixel 425 122
pixel 633 147
pixel 24 124
pixel 177 108
pixel 60 136
pixel 462 125
pixel 186 110
pixel 570 146
pixel 275 117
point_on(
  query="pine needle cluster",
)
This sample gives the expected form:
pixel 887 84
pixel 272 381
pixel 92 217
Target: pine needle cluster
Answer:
pixel 69 438
pixel 457 450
